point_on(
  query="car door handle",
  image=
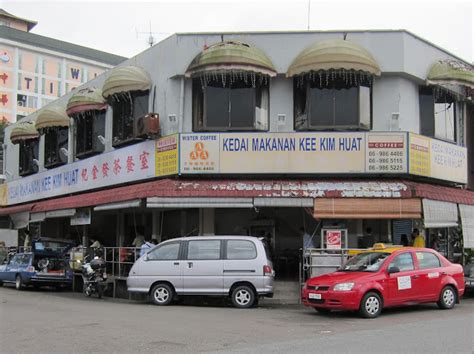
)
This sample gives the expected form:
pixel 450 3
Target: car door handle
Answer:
pixel 190 264
pixel 176 263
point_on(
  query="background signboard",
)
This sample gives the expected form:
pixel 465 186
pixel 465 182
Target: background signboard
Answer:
pixel 437 159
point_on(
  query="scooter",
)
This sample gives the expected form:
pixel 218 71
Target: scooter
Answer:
pixel 94 276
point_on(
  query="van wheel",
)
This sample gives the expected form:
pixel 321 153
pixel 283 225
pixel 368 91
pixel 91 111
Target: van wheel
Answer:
pixel 371 305
pixel 243 297
pixel 447 298
pixel 162 294
pixel 18 282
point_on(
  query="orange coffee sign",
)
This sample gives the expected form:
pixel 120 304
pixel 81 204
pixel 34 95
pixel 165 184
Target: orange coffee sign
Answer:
pixel 199 153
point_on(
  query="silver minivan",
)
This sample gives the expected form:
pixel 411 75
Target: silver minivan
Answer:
pixel 235 266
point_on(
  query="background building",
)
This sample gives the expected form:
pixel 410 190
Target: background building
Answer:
pixel 35 70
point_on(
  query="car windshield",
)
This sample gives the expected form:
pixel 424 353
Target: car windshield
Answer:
pixel 365 262
pixel 50 246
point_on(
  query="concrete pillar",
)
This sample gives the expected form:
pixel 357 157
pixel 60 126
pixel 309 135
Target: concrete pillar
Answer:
pixel 207 222
pixel 156 221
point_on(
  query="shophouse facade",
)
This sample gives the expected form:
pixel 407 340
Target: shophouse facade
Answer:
pixel 360 135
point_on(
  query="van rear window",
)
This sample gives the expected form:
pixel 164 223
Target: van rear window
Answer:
pixel 241 249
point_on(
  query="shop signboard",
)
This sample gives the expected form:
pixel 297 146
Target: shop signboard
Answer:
pixel 334 239
pixel 437 159
pixel 166 155
pixel 131 163
pixel 266 153
pixel 386 153
pixel 293 153
pixel 81 217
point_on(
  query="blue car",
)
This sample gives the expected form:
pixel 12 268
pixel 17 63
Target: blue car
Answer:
pixel 46 264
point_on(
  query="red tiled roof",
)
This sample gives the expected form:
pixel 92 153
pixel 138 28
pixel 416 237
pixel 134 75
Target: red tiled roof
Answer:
pixel 441 193
pixel 252 188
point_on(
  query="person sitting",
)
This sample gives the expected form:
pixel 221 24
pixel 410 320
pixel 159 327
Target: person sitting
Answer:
pixel 148 246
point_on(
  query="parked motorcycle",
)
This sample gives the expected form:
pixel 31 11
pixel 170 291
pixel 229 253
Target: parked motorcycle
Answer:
pixel 94 276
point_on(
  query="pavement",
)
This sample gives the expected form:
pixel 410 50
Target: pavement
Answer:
pixel 48 321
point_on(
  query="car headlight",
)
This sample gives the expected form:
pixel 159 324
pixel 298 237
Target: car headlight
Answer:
pixel 343 286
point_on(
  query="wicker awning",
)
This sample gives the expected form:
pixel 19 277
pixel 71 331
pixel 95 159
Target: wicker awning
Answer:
pixel 24 130
pixel 367 208
pixel 87 99
pixel 126 79
pixel 52 117
pixel 451 72
pixel 231 56
pixel 334 54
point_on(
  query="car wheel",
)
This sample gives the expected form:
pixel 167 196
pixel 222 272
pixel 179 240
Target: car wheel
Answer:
pixel 243 297
pixel 371 305
pixel 322 310
pixel 18 282
pixel 162 294
pixel 447 298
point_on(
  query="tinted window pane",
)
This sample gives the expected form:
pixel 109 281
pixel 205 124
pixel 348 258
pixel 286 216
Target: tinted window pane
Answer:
pixel 321 107
pixel 426 113
pixel 204 249
pixel 403 261
pixel 427 260
pixel 165 252
pixel 217 107
pixel 364 106
pixel 346 106
pixel 444 121
pixel 239 249
pixel 242 107
pixel 140 105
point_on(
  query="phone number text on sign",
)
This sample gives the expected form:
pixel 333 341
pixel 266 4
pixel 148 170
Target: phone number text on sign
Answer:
pixel 386 153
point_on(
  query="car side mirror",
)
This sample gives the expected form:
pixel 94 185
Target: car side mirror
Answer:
pixel 393 269
pixel 146 256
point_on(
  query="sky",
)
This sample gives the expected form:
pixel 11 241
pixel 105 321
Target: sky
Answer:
pixel 122 27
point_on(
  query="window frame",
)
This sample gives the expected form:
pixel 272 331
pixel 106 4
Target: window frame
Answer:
pixel 431 254
pixel 226 253
pixel 97 117
pixel 124 122
pixel 28 145
pixel 179 257
pixel 309 126
pixel 50 133
pixel 427 115
pixel 391 264
pixel 186 251
pixel 200 107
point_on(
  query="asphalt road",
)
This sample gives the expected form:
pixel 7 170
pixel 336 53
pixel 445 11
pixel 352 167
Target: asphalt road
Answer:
pixel 49 321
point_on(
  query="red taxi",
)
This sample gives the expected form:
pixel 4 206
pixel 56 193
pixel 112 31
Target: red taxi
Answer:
pixel 384 277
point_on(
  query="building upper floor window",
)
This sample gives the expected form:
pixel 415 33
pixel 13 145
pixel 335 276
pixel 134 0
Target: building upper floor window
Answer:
pixel 333 86
pixel 127 107
pixel 126 90
pixel 438 113
pixel 28 157
pixel 230 87
pixel 55 141
pixel 89 126
pixel 331 100
pixel 231 102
